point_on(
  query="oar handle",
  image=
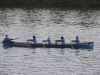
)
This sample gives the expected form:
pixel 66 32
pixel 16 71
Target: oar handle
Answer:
pixel 16 38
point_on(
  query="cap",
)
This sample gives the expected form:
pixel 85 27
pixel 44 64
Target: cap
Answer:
pixel 6 35
pixel 77 37
pixel 48 37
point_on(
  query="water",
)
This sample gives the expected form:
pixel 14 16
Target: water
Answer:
pixel 23 23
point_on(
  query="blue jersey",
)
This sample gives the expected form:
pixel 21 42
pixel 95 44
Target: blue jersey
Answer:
pixel 62 40
pixel 33 40
pixel 6 40
pixel 76 41
pixel 48 40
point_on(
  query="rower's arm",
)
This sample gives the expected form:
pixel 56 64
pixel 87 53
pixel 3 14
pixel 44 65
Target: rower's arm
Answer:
pixel 58 40
pixel 44 40
pixel 30 40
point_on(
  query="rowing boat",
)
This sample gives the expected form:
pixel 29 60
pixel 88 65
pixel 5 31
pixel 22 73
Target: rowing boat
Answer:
pixel 83 45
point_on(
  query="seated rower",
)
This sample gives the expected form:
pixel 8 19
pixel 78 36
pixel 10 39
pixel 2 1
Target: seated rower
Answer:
pixel 76 41
pixel 62 41
pixel 7 39
pixel 32 41
pixel 48 41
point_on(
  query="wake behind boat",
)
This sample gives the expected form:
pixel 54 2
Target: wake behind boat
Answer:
pixel 82 45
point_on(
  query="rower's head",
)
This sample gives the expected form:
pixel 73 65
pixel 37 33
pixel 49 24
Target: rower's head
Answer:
pixel 77 37
pixel 34 37
pixel 6 36
pixel 62 37
pixel 48 37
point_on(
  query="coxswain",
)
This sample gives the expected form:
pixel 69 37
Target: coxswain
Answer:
pixel 7 39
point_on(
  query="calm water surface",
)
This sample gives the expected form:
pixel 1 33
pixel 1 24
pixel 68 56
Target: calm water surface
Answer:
pixel 24 23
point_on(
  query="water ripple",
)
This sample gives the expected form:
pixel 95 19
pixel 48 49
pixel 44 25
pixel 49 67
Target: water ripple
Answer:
pixel 54 22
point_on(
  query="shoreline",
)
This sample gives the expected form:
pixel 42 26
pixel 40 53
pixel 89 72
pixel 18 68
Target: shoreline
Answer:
pixel 51 3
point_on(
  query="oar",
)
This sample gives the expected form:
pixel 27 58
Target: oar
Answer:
pixel 43 45
pixel 55 42
pixel 0 42
pixel 15 38
pixel 72 46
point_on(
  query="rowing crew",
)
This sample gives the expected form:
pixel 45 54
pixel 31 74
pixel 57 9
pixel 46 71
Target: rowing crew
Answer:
pixel 47 41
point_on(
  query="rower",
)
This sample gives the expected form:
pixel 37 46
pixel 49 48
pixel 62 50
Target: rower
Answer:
pixel 32 41
pixel 62 41
pixel 48 41
pixel 7 39
pixel 76 41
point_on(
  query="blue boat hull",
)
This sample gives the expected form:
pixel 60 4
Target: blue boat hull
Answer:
pixel 85 45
